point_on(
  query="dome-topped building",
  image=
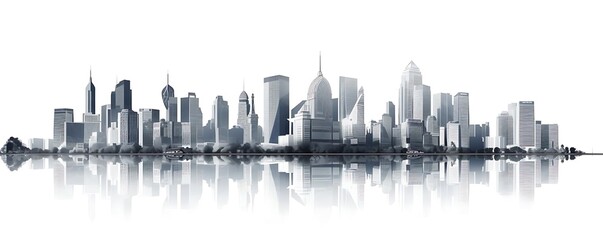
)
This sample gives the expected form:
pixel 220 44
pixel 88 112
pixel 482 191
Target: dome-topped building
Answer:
pixel 319 102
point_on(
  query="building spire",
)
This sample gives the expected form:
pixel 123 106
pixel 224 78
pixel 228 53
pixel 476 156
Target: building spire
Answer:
pixel 168 78
pixel 90 73
pixel 319 63
pixel 252 103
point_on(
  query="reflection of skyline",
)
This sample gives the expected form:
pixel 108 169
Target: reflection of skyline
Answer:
pixel 318 185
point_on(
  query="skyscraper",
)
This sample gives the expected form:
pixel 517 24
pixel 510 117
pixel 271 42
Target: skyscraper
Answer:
pixel 504 126
pixel 411 77
pixel 319 97
pixel 421 102
pixel 525 124
pixel 251 133
pixel 91 96
pixel 348 95
pixel 442 108
pixel 276 107
pixel 128 126
pixel 167 92
pixel 220 117
pixel 461 115
pixel 61 116
pixel 146 119
pixel 390 109
pixel 352 126
pixel 453 134
pixel 512 109
pixel 121 99
pixel 244 109
pixel 190 112
pixel 550 136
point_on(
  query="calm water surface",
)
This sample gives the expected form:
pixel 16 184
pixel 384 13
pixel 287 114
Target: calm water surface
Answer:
pixel 300 198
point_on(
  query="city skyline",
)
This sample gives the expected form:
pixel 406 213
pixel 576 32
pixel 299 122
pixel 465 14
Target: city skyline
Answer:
pixel 445 53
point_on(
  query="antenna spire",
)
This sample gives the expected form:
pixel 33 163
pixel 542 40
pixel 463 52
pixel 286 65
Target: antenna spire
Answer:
pixel 319 63
pixel 90 73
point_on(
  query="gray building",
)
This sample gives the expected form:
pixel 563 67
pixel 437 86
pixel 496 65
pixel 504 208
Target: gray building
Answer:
pixel 167 92
pixel 504 126
pixel 461 115
pixel 477 135
pixel 91 96
pixel 92 124
pixel 74 134
pixel 190 112
pixel 412 134
pixel 442 108
pixel 453 134
pixel 220 120
pixel 244 108
pixel 421 102
pixel 411 77
pixel 525 124
pixel 390 109
pixel 252 132
pixel 147 118
pixel 61 116
pixel 549 136
pixel 276 107
pixel 512 109
pixel 128 126
pixel 348 94
pixel 121 99
pixel 235 135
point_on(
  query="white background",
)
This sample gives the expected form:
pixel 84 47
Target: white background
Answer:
pixel 550 52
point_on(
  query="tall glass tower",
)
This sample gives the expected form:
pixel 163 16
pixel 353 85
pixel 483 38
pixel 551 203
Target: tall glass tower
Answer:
pixel 276 107
pixel 91 96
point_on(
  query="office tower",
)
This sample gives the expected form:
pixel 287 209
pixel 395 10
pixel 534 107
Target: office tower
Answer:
pixel 167 92
pixel 348 94
pixel 276 107
pixel 121 99
pixel 421 102
pixel 453 134
pixel 220 118
pixel 172 111
pixel 128 126
pixel 550 136
pixel 90 96
pixel 61 116
pixel 147 117
pixel 191 112
pixel 411 77
pixel 387 126
pixel 244 109
pixel 442 108
pixel 252 133
pixel 477 136
pixel 113 134
pixel 390 109
pixel 174 133
pixel 504 126
pixel 160 134
pixel 512 109
pixel 319 101
pixel 431 125
pixel 92 124
pixel 296 109
pixel 105 117
pixel 461 115
pixel 525 124
pixel 74 134
pixel 538 135
pixel 412 131
pixel 236 135
pixel 302 126
pixel 352 126
pixel 187 135
pixel 443 137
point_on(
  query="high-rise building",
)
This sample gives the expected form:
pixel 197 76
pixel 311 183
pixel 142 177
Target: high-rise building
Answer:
pixel 61 116
pixel 453 134
pixel 525 124
pixel 461 115
pixel 411 77
pixel 276 107
pixel 302 126
pixel 352 126
pixel 319 101
pixel 504 126
pixel 431 125
pixel 442 108
pixel 191 112
pixel 90 96
pixel 220 120
pixel 105 117
pixel 147 117
pixel 167 92
pixel 74 134
pixel 252 133
pixel 128 126
pixel 421 102
pixel 348 95
pixel 512 109
pixel 172 110
pixel 550 136
pixel 160 134
pixel 244 109
pixel 412 134
pixel 477 135
pixel 92 124
pixel 121 99
pixel 538 135
pixel 387 127
pixel 390 109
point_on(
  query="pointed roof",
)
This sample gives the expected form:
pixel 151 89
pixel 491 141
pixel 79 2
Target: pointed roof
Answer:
pixel 252 103
pixel 243 96
pixel 411 66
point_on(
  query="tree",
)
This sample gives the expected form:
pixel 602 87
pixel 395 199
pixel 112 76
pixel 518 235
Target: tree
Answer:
pixel 55 150
pixel 208 149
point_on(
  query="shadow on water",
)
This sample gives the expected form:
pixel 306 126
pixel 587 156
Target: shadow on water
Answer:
pixel 321 185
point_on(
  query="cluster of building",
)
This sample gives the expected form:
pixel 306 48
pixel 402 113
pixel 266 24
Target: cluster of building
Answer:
pixel 420 120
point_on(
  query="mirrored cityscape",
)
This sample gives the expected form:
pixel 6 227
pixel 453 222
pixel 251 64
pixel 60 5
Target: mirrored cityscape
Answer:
pixel 321 185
